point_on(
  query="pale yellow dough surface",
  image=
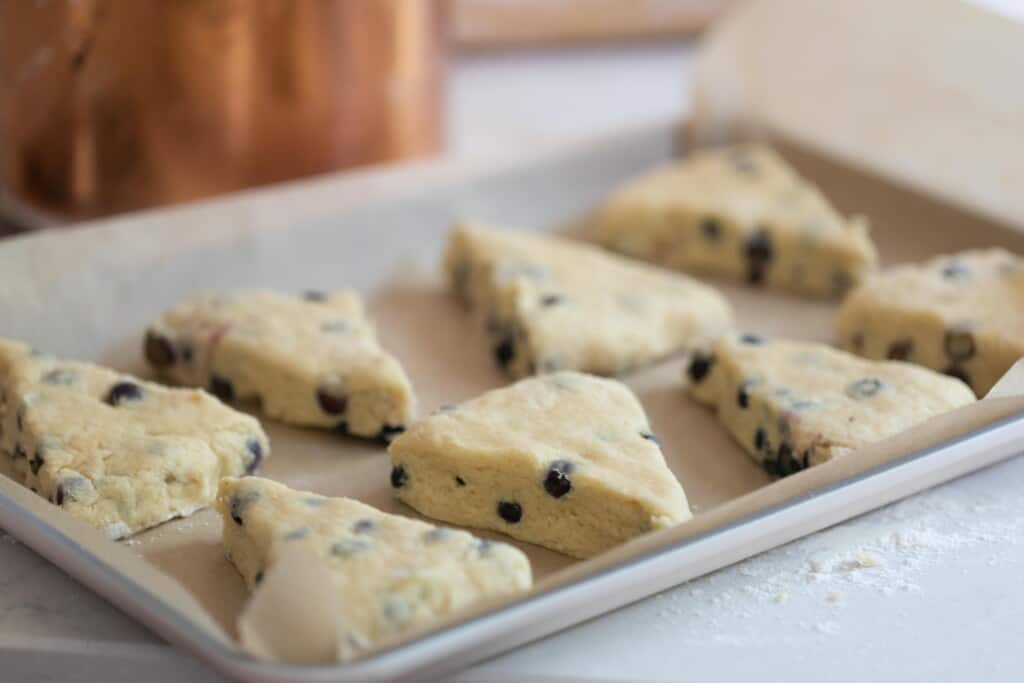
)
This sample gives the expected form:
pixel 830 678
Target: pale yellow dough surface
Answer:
pixel 566 461
pixel 310 360
pixel 792 404
pixel 962 314
pixel 121 459
pixel 552 304
pixel 741 212
pixel 391 573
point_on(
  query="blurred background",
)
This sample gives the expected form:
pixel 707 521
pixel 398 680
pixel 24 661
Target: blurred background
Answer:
pixel 116 105
pixel 109 106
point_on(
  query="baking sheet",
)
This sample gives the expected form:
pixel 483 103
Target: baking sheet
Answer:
pixel 88 295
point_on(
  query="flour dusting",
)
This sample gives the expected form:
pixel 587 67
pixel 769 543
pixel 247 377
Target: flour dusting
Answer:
pixel 884 553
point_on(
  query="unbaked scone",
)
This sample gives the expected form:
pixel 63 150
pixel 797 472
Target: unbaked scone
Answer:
pixel 392 573
pixel 567 461
pixel 793 404
pixel 114 451
pixel 743 213
pixel 551 304
pixel 310 360
pixel 961 314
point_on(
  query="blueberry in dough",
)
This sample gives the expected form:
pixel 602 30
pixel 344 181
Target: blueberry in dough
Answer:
pixel 510 511
pixel 398 476
pixel 331 401
pixel 700 366
pixel 122 392
pixel 159 351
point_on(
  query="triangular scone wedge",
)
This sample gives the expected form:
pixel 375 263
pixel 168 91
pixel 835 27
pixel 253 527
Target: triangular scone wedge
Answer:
pixel 961 314
pixel 392 573
pixel 741 212
pixel 114 451
pixel 796 404
pixel 552 304
pixel 567 461
pixel 310 360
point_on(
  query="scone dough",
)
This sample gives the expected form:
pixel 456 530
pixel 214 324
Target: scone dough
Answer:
pixel 796 404
pixel 312 360
pixel 118 453
pixel 961 314
pixel 550 304
pixel 740 212
pixel 567 461
pixel 392 573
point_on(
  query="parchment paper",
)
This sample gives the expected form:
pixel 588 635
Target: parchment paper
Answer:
pixel 88 295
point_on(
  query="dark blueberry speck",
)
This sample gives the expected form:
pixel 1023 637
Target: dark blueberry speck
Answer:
pixel 187 354
pixel 459 481
pixel 510 511
pixel 954 270
pixel 557 483
pixel 959 344
pixel 158 350
pixel 349 547
pixel 314 295
pixel 341 428
pixel 760 439
pixel 222 388
pixel 711 229
pixel 59 498
pixel 787 464
pixel 297 534
pixel 399 476
pixel 504 352
pixel 256 449
pixel 363 526
pixel 752 339
pixel 700 366
pixel 434 535
pixel 901 349
pixel 651 436
pixel 388 433
pixel 864 388
pixel 550 300
pixel 483 547
pixel 742 396
pixel 36 463
pixel 758 251
pixel 331 402
pixel 258 579
pixel 122 392
pixel 238 503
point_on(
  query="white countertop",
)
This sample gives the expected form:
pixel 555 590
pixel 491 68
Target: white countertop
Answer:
pixel 929 589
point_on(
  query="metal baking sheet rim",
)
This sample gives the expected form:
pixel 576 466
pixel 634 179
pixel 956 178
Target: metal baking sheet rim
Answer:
pixel 541 614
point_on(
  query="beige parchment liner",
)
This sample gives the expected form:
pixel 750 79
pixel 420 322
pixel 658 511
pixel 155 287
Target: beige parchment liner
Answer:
pixel 89 294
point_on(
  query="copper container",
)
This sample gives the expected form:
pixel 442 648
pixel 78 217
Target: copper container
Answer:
pixel 112 105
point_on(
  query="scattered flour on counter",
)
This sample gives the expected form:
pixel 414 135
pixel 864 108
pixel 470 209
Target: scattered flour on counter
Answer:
pixel 885 552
